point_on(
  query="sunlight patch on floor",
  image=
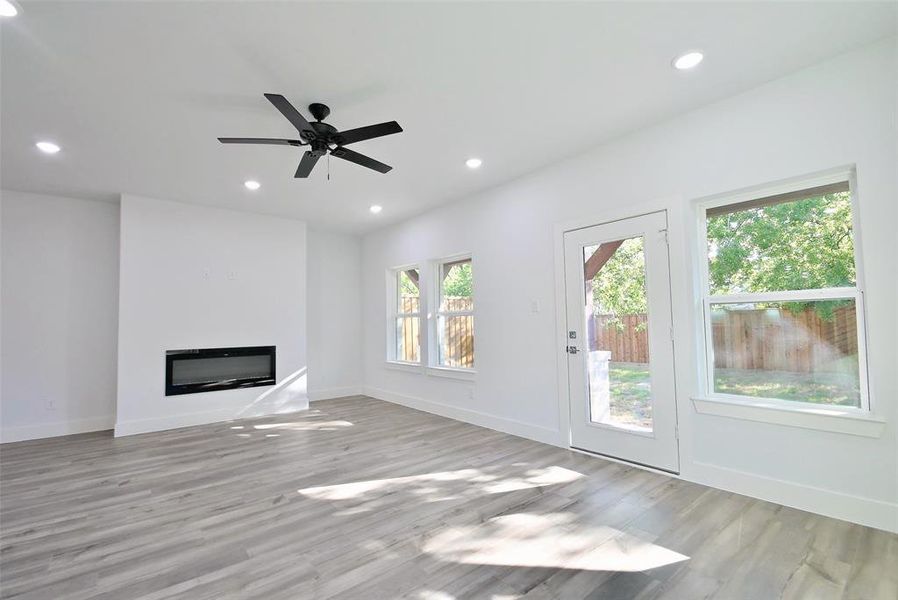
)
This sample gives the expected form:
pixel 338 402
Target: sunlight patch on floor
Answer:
pixel 551 541
pixel 306 425
pixel 446 485
pixel 434 595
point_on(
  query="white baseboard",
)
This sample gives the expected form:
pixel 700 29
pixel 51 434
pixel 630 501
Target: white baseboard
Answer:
pixel 337 392
pixel 505 425
pixel 46 430
pixel 856 509
pixel 123 428
pixel 136 426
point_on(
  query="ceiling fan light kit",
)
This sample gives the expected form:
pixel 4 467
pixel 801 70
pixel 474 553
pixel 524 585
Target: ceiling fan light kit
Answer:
pixel 322 138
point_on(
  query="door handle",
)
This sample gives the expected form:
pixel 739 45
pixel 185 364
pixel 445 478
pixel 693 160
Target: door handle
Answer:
pixel 572 350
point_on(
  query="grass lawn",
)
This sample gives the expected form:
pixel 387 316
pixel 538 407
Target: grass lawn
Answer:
pixel 631 394
pixel 818 388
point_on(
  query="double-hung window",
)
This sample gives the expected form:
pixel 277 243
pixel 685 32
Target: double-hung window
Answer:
pixel 455 314
pixel 405 298
pixel 783 315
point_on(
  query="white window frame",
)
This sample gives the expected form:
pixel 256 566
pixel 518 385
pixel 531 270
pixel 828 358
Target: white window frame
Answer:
pixel 434 366
pixel 728 404
pixel 392 303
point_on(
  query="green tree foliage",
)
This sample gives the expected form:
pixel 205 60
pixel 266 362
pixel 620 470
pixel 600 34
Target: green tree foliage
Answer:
pixel 406 286
pixel 799 245
pixel 619 287
pixel 459 281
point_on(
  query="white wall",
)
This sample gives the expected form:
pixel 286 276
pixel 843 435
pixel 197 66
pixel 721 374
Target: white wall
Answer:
pixel 199 277
pixel 838 113
pixel 59 306
pixel 334 323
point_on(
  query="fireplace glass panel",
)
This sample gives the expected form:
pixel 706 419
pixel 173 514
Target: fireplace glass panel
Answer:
pixel 214 370
pixel 210 369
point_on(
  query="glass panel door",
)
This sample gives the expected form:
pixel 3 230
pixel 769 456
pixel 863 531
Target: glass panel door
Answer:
pixel 619 346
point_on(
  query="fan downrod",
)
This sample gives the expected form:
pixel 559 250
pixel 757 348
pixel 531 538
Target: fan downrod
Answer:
pixel 319 111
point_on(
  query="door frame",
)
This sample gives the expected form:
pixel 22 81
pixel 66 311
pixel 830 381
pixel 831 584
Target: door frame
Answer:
pixel 680 286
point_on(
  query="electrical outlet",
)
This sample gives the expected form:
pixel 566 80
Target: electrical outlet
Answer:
pixel 49 404
pixel 471 393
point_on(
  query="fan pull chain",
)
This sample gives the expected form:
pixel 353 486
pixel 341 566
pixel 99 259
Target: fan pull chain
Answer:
pixel 328 166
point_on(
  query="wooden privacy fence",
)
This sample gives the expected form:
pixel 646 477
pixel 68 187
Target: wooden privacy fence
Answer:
pixel 780 340
pixel 625 337
pixel 456 334
pixel 766 339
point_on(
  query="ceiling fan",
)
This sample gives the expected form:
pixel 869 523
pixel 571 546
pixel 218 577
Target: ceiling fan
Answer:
pixel 321 137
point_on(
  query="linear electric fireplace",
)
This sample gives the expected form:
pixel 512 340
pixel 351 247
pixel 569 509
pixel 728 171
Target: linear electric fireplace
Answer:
pixel 212 369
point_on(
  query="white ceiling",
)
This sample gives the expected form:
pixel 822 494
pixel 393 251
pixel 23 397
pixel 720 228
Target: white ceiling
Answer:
pixel 137 92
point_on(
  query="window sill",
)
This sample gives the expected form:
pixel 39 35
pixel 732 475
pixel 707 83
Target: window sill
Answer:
pixel 404 366
pixel 835 419
pixel 453 373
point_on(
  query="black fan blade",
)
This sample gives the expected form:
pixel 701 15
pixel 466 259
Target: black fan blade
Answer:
pixel 273 141
pixel 307 163
pixel 366 133
pixel 299 121
pixel 360 159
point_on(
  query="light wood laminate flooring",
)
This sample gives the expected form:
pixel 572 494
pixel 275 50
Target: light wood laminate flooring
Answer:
pixel 359 498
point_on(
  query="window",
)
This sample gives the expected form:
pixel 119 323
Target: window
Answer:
pixel 782 306
pixel 455 314
pixel 405 297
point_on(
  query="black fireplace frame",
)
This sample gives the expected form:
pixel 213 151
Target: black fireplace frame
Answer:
pixel 229 384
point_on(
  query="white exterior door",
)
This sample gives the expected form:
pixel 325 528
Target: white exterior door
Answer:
pixel 619 336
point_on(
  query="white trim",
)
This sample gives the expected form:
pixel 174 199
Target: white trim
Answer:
pixel 785 296
pixel 459 256
pixel 123 428
pixel 337 392
pixel 848 420
pixel 434 366
pixel 561 336
pixel 537 433
pixel 392 302
pixel 660 446
pixel 625 463
pixel 856 509
pixel 48 430
pixel 453 373
pixel 706 360
pixel 399 365
pixel 668 204
pixel 783 186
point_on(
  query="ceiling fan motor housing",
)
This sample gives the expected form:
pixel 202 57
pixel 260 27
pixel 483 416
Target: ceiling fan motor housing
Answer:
pixel 319 146
pixel 323 131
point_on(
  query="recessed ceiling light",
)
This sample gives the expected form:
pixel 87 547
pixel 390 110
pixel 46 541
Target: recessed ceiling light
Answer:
pixel 252 185
pixel 688 60
pixel 376 208
pixel 473 163
pixel 48 147
pixel 8 9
